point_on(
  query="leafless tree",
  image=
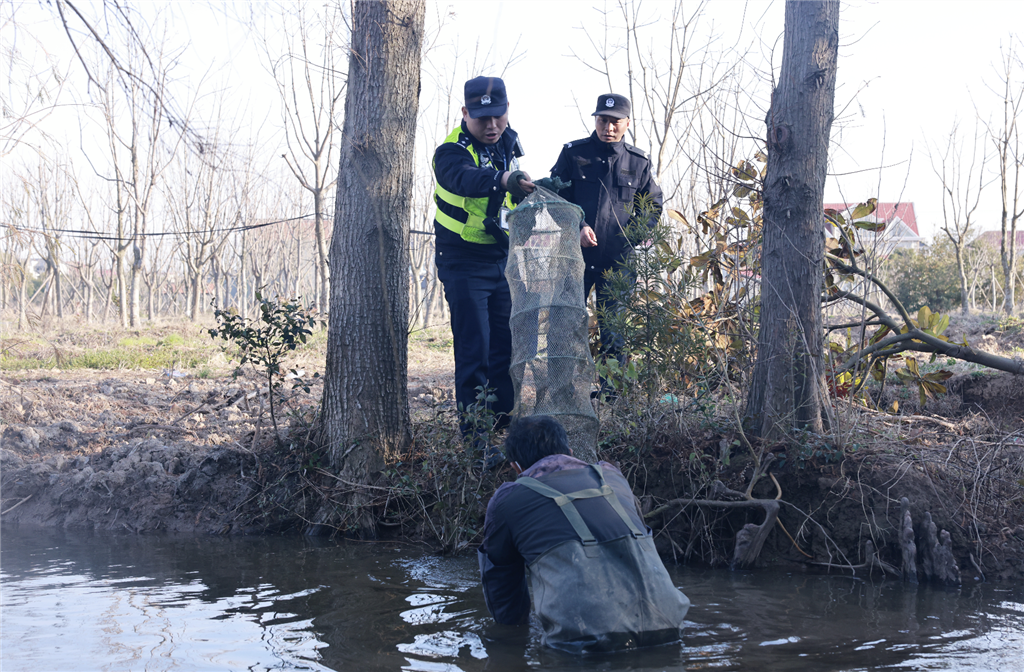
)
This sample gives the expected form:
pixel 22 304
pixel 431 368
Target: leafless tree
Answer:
pixel 52 200
pixel 138 158
pixel 88 248
pixel 16 253
pixel 1009 149
pixel 310 83
pixel 202 207
pixel 685 112
pixel 33 90
pixel 962 176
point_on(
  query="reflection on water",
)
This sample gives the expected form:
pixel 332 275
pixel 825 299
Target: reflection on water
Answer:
pixel 77 601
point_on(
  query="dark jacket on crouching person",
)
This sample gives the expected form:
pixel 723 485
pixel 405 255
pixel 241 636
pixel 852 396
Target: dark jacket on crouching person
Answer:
pixel 595 578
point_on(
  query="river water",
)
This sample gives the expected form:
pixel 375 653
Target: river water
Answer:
pixel 85 601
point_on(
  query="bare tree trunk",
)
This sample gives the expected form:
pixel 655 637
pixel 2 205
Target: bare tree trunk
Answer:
pixel 961 271
pixel 226 286
pixel 322 265
pixel 89 289
pixel 243 285
pixel 23 299
pixel 56 293
pixel 788 378
pixel 960 197
pixel 1007 141
pixel 366 405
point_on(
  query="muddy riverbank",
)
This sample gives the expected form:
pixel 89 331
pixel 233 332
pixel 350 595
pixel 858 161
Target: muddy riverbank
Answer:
pixel 151 451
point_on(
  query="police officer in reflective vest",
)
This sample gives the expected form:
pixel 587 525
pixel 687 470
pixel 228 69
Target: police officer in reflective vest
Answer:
pixel 610 178
pixel 478 181
pixel 596 581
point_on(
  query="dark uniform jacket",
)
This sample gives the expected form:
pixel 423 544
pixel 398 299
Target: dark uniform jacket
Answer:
pixel 607 181
pixel 456 171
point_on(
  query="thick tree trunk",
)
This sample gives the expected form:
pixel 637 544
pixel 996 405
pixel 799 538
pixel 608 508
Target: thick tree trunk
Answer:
pixel 788 378
pixel 366 408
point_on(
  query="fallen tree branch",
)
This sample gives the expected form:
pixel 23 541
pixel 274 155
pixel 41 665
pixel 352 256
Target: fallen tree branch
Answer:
pixel 914 338
pixel 354 485
pixel 4 513
pixel 796 545
pixel 922 418
pixel 718 503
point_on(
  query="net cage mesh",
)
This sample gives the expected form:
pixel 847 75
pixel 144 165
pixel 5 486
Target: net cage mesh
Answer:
pixel 552 367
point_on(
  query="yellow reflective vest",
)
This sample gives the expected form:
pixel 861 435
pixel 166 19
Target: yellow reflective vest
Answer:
pixel 466 216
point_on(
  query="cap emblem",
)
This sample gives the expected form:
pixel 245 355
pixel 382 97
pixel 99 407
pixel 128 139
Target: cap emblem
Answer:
pixel 610 102
pixel 485 99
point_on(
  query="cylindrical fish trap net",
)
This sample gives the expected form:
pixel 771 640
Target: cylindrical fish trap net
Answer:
pixel 551 364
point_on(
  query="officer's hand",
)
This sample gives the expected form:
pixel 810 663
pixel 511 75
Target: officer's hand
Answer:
pixel 554 184
pixel 587 237
pixel 518 184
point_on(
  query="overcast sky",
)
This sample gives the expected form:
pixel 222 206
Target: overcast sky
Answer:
pixel 916 65
pixel 907 69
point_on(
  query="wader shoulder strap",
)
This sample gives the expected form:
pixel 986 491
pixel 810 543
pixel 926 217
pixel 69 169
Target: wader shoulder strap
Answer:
pixel 617 505
pixel 565 505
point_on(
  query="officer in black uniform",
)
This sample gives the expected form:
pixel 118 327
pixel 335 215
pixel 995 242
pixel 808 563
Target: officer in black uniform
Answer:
pixel 478 180
pixel 609 178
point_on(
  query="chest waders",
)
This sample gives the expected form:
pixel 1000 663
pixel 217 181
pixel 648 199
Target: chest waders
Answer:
pixel 601 596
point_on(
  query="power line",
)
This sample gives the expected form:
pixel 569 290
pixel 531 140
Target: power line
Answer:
pixel 95 235
pixel 85 234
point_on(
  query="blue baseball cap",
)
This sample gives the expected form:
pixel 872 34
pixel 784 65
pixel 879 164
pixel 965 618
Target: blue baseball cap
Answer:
pixel 485 97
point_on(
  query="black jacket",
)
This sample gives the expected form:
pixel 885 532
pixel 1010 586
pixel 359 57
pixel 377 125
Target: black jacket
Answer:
pixel 607 181
pixel 455 171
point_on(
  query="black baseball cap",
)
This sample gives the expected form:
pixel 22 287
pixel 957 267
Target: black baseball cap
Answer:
pixel 613 105
pixel 485 97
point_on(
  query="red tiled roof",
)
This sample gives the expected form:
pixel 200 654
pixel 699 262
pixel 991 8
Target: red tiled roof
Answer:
pixel 886 212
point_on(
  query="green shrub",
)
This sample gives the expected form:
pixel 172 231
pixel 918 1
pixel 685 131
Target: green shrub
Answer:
pixel 265 340
pixel 685 327
pixel 172 340
pixel 925 278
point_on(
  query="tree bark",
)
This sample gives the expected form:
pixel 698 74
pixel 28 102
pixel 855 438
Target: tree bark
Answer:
pixel 366 408
pixel 788 378
pixel 961 271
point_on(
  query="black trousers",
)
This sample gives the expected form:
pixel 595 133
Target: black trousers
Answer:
pixel 611 341
pixel 480 304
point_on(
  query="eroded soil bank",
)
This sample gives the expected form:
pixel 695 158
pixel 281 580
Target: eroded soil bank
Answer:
pixel 145 452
